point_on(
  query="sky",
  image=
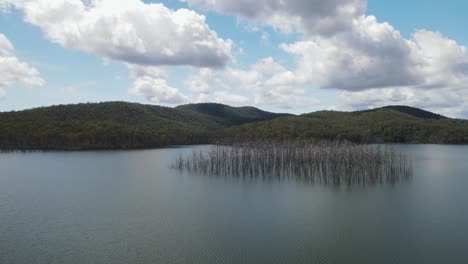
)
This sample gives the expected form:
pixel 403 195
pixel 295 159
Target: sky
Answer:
pixel 292 56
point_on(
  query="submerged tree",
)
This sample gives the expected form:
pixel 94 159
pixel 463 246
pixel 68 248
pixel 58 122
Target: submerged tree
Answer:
pixel 331 162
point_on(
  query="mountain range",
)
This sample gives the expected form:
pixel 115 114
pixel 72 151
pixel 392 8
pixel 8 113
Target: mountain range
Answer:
pixel 121 125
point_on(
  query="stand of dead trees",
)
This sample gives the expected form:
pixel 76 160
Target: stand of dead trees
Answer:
pixel 330 162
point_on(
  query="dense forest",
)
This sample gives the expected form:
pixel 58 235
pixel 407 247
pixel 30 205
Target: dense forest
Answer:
pixel 117 125
pixel 231 116
pixel 120 125
pixel 384 125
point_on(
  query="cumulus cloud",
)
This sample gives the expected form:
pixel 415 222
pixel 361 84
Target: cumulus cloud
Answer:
pixel 449 101
pixel 442 61
pixel 128 30
pixel 231 85
pixel 368 62
pixel 370 55
pixel 14 71
pixel 340 48
pixel 203 81
pixel 150 71
pixel 375 55
pixel 440 79
pixel 252 86
pixel 308 16
pixel 151 83
pixel 157 91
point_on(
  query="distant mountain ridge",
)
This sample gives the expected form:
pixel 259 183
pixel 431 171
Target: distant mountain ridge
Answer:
pixel 392 124
pixel 122 125
pixel 229 115
pixel 413 111
pixel 118 125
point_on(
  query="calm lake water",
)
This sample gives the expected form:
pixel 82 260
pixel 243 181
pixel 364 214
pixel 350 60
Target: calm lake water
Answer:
pixel 131 207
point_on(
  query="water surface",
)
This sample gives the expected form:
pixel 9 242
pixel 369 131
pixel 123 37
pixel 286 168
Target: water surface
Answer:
pixel 131 207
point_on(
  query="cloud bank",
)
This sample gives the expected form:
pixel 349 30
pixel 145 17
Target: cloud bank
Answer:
pixel 14 71
pixel 308 16
pixel 128 30
pixel 368 63
pixel 340 48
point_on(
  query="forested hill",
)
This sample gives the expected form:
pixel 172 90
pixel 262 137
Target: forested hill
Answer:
pixel 120 125
pixel 413 111
pixel 116 125
pixel 113 125
pixel 387 124
pixel 231 116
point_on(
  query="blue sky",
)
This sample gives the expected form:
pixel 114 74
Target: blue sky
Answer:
pixel 250 60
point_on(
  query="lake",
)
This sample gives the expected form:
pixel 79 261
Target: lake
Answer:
pixel 131 207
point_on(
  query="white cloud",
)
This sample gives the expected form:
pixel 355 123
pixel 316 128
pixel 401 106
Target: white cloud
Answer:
pixel 369 62
pixel 251 86
pixel 150 71
pixel 203 81
pixel 450 101
pixel 6 48
pixel 308 16
pixel 14 71
pixel 442 61
pixel 370 55
pixel 440 83
pixel 151 83
pixel 224 97
pixel 234 86
pixel 375 55
pixel 157 91
pixel 128 30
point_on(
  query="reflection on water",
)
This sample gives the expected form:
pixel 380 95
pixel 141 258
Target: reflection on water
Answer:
pixel 131 207
pixel 342 181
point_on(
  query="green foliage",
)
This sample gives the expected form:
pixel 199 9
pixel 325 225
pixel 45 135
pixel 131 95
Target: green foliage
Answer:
pixel 119 125
pixel 416 112
pixel 230 116
pixel 114 125
pixel 375 126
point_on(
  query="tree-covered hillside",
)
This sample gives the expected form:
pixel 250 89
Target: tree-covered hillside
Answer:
pixel 413 111
pixel 112 125
pixel 375 126
pixel 102 126
pixel 120 125
pixel 229 115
